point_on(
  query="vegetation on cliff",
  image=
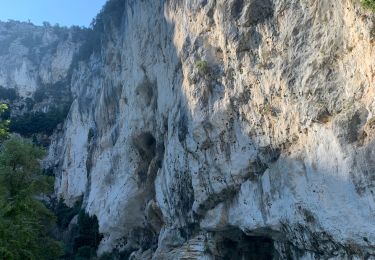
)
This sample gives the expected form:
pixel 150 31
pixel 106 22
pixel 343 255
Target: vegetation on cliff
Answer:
pixel 369 4
pixel 38 122
pixel 82 234
pixel 109 17
pixel 28 228
pixel 25 221
pixel 3 123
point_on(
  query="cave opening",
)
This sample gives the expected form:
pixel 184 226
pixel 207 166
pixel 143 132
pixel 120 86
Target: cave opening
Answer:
pixel 236 245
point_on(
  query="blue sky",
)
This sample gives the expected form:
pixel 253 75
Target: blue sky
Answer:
pixel 64 12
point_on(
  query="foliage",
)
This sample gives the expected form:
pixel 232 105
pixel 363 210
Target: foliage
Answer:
pixel 3 108
pixel 88 238
pixel 40 95
pixel 92 44
pixel 116 254
pixel 85 238
pixel 8 94
pixel 31 40
pixel 3 123
pixel 85 252
pixel 111 13
pixel 57 91
pixel 369 4
pixel 24 220
pixel 65 214
pixel 202 67
pixel 38 122
pixel 6 41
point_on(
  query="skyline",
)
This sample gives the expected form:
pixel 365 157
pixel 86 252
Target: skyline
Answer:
pixel 65 13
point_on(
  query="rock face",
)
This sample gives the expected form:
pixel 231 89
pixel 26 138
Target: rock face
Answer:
pixel 233 129
pixel 35 65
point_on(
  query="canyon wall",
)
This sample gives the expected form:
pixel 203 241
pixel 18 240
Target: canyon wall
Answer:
pixel 36 64
pixel 34 57
pixel 223 129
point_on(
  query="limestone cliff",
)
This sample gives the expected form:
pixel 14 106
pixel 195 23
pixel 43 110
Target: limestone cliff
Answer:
pixel 33 56
pixel 225 129
pixel 36 64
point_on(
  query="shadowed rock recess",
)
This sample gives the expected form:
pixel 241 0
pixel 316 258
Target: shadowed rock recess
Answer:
pixel 217 129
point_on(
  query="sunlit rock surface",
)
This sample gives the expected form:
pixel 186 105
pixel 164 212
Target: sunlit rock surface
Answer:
pixel 32 56
pixel 240 129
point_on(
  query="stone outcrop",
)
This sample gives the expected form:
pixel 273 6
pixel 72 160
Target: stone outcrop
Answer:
pixel 238 129
pixel 36 65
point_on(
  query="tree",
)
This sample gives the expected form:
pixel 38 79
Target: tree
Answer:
pixel 3 123
pixel 38 122
pixel 24 219
pixel 88 239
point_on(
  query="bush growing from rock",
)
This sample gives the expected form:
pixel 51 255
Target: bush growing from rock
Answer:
pixel 369 4
pixel 202 67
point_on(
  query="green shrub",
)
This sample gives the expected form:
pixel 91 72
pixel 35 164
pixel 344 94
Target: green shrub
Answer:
pixel 202 67
pixel 4 122
pixel 369 4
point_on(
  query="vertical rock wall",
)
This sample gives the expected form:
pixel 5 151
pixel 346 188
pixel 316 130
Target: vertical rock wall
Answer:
pixel 232 128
